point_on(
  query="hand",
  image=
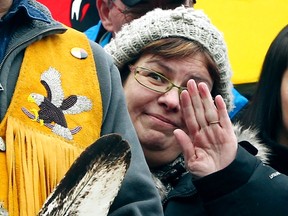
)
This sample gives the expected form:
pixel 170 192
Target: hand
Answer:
pixel 210 143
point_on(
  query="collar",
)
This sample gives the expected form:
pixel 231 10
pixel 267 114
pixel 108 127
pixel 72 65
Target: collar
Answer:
pixel 28 9
pixel 170 174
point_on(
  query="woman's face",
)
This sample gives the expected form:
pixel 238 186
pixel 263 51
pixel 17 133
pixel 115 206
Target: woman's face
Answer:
pixel 156 115
pixel 283 139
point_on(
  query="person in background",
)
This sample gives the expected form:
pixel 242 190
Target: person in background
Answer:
pixel 176 77
pixel 267 111
pixel 59 92
pixel 114 13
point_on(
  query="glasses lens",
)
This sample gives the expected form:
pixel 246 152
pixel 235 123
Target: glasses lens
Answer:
pixel 152 80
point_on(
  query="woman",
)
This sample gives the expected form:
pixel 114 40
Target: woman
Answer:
pixel 174 65
pixel 268 109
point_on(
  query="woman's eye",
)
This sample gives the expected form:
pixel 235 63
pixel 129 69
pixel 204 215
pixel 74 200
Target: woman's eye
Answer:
pixel 156 77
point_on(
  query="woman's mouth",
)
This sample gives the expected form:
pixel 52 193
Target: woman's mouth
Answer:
pixel 162 121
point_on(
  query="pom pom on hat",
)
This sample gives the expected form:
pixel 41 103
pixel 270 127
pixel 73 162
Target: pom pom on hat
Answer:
pixel 181 22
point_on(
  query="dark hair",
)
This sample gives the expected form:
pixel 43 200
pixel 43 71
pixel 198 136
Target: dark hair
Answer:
pixel 264 111
pixel 177 48
pixel 144 6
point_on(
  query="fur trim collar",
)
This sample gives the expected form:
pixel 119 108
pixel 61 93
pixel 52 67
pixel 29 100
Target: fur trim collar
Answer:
pixel 250 135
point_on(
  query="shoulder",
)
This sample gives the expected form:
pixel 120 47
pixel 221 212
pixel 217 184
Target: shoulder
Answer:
pixel 104 64
pixel 251 136
pixel 100 53
pixel 107 73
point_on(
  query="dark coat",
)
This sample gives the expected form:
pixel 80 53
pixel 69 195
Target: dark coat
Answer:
pixel 278 156
pixel 245 187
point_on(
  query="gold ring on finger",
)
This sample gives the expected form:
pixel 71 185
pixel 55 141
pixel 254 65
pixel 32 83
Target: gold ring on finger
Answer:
pixel 214 122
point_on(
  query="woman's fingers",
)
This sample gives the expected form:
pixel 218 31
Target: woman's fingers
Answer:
pixel 210 110
pixel 196 103
pixel 188 112
pixel 222 112
pixel 200 110
pixel 187 147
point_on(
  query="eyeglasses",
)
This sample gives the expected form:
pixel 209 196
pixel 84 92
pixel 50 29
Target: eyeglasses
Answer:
pixel 154 80
pixel 118 8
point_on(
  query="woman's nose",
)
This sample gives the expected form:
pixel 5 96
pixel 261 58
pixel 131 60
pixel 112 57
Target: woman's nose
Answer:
pixel 170 100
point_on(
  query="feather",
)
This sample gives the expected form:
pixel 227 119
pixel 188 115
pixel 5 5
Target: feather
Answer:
pixel 93 181
pixel 50 79
pixel 75 104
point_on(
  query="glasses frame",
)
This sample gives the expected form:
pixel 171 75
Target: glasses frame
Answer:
pixel 171 84
pixel 124 11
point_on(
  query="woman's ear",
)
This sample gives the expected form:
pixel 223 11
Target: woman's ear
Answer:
pixel 103 8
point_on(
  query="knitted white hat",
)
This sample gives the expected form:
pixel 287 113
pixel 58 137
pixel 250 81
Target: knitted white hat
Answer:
pixel 181 22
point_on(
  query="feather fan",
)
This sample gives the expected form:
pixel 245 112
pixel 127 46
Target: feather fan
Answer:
pixel 93 181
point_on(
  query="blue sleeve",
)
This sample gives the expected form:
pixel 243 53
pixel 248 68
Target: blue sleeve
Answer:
pixel 93 31
pixel 239 102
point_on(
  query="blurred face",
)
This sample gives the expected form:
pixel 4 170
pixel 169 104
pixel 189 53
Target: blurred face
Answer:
pixel 156 115
pixel 5 6
pixel 118 16
pixel 284 105
pixel 117 13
